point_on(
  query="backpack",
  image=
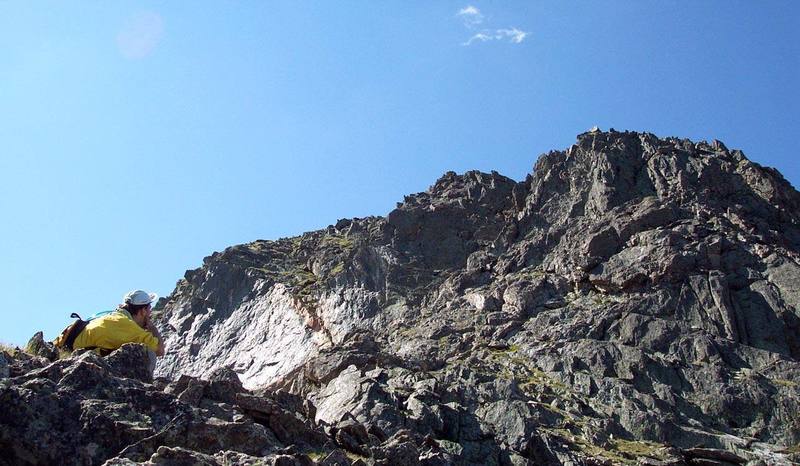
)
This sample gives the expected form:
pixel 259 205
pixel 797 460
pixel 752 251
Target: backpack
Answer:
pixel 69 334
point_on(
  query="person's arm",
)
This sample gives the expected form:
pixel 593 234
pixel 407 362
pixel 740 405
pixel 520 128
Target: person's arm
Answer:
pixel 126 330
pixel 154 330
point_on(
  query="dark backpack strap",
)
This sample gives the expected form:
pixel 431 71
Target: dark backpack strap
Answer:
pixel 100 351
pixel 74 331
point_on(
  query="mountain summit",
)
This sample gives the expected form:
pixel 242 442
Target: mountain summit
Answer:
pixel 635 299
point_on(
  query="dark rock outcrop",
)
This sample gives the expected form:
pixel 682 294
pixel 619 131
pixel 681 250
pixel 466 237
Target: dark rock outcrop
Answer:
pixel 634 300
pixel 86 409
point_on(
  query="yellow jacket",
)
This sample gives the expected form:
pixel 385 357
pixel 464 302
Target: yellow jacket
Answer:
pixel 114 330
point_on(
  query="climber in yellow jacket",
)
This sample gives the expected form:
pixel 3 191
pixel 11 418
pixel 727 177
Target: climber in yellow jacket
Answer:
pixel 129 323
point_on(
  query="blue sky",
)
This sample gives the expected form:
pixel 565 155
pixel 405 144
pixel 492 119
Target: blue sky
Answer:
pixel 138 137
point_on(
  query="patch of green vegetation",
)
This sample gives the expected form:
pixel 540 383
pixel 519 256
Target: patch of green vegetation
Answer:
pixel 452 448
pixel 784 383
pixel 296 241
pixel 339 268
pixel 638 448
pixel 602 299
pixel 536 377
pixel 259 245
pixel 306 281
pixel 597 451
pixel 743 374
pixel 355 456
pixel 793 450
pixel 6 348
pixel 627 452
pixel 408 332
pixel 578 443
pixel 261 270
pixel 505 374
pixel 299 279
pixel 581 444
pixel 518 367
pixel 531 274
pixel 567 420
pixel 505 351
pixel 303 284
pixel 30 349
pixel 258 462
pixel 316 456
pixel 337 241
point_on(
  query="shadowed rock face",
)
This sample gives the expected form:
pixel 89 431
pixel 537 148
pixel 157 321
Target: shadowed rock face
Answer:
pixel 635 299
pixel 89 410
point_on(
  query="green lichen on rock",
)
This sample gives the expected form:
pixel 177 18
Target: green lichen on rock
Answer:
pixel 337 241
pixel 623 452
pixel 793 450
pixel 784 383
pixel 337 269
pixel 316 456
pixel 634 449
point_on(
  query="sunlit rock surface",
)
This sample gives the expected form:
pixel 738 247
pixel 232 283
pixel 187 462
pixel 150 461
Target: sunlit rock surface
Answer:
pixel 635 300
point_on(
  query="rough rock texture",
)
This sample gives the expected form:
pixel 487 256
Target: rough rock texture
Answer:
pixel 86 409
pixel 631 295
pixel 635 300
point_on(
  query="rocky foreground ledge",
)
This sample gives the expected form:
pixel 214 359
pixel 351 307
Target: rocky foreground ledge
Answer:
pixel 87 410
pixel 90 410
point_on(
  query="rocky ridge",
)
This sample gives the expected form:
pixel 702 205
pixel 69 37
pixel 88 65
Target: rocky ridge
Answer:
pixel 634 300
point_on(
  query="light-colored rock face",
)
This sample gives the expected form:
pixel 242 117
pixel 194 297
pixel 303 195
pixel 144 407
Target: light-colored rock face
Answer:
pixel 265 337
pixel 346 311
pixel 341 396
pixel 262 339
pixel 786 276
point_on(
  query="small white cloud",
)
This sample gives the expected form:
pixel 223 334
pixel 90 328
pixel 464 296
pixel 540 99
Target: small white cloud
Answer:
pixel 514 35
pixel 140 35
pixel 471 16
pixel 478 37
